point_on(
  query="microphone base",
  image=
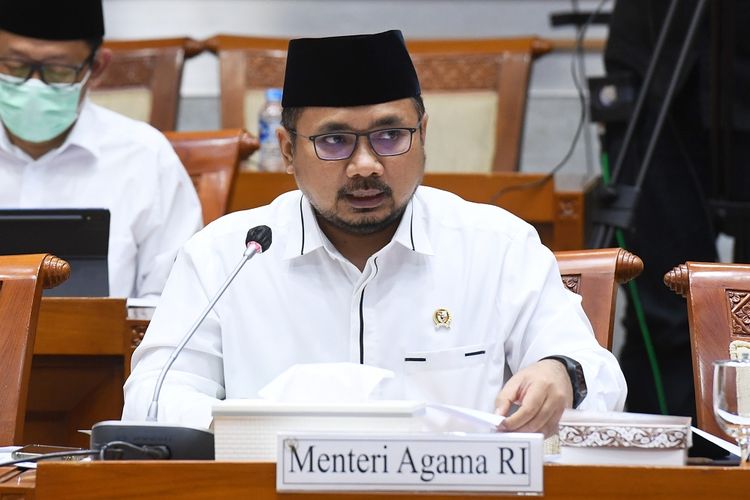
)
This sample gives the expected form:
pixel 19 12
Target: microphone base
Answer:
pixel 151 441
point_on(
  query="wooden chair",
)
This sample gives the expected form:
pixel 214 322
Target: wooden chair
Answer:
pixel 475 94
pixel 718 298
pixel 595 274
pixel 22 278
pixel 143 79
pixel 212 159
pixel 474 90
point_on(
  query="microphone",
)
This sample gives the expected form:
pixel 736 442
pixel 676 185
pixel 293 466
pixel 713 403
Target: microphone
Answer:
pixel 128 441
pixel 257 241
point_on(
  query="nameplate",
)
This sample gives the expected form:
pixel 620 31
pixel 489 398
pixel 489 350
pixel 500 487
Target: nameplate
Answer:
pixel 410 462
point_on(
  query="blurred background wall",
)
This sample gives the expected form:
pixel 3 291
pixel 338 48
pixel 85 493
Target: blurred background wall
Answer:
pixel 553 102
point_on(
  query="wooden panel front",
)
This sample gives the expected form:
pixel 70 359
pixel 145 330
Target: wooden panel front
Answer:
pixel 68 393
pixel 527 195
pixel 17 484
pixel 73 325
pixel 80 363
pixel 533 203
pixel 210 480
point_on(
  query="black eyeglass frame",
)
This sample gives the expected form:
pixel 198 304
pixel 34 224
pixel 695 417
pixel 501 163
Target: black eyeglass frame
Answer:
pixel 37 67
pixel 357 135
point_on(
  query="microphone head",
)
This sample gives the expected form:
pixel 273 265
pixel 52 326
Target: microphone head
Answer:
pixel 260 235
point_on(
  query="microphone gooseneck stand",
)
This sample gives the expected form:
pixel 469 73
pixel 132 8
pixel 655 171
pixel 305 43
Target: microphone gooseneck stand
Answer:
pixel 156 440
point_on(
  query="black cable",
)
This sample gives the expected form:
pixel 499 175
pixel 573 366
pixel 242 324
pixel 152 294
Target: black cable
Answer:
pixel 581 62
pixel 48 456
pixel 110 451
pixel 114 450
pixel 580 34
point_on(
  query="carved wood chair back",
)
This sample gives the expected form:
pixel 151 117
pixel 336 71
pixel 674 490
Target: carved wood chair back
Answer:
pixel 718 306
pixel 22 278
pixel 474 90
pixel 212 159
pixel 143 79
pixel 595 275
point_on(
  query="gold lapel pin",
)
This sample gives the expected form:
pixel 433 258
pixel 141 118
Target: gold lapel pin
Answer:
pixel 442 318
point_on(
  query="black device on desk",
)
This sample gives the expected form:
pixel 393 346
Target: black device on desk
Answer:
pixel 78 235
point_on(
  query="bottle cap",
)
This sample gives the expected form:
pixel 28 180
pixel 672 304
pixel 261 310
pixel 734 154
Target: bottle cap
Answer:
pixel 273 95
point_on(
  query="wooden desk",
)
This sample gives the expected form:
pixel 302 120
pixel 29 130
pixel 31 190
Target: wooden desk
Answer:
pixel 210 480
pixel 81 360
pixel 83 346
pixel 556 208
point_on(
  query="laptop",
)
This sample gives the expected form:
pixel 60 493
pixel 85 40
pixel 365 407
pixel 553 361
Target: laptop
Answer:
pixel 78 235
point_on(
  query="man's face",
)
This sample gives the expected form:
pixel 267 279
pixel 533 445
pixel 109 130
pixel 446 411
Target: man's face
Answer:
pixel 68 53
pixel 366 192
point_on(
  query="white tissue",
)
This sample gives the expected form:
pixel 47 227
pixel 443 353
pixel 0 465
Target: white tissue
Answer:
pixel 352 383
pixel 325 383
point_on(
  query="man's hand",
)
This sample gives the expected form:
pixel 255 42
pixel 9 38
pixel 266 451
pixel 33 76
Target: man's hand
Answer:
pixel 542 391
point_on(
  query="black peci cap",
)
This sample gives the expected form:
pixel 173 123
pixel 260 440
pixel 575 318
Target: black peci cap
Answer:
pixel 58 20
pixel 350 70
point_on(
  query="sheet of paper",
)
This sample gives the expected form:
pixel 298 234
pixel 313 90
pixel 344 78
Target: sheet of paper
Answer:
pixel 725 445
pixel 478 416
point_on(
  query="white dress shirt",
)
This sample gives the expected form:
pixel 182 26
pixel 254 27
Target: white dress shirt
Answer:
pixel 110 161
pixel 303 302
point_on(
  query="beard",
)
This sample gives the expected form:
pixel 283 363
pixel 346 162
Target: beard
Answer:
pixel 364 225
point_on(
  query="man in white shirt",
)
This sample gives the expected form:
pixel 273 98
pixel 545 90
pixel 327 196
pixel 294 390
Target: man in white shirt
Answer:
pixel 460 300
pixel 58 150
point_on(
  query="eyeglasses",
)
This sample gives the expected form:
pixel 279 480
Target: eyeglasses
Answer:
pixel 51 73
pixel 341 145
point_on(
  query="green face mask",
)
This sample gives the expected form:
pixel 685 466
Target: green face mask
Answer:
pixel 35 111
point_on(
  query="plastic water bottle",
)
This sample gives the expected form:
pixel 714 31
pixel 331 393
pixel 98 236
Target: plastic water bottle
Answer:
pixel 269 159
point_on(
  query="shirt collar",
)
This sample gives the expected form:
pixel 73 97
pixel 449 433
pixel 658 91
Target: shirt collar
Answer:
pixel 83 134
pixel 411 232
pixel 304 234
pixel 5 144
pixel 78 136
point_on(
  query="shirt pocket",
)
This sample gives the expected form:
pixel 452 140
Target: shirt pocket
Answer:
pixel 457 376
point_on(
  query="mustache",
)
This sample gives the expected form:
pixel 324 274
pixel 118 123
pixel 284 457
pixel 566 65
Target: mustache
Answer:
pixel 363 183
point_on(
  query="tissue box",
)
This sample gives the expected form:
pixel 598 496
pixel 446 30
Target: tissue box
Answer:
pixel 623 438
pixel 246 429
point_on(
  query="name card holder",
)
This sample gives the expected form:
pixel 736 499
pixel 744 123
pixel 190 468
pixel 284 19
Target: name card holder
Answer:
pixel 498 462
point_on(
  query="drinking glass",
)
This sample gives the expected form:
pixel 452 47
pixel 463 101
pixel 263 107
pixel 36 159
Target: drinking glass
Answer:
pixel 732 402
